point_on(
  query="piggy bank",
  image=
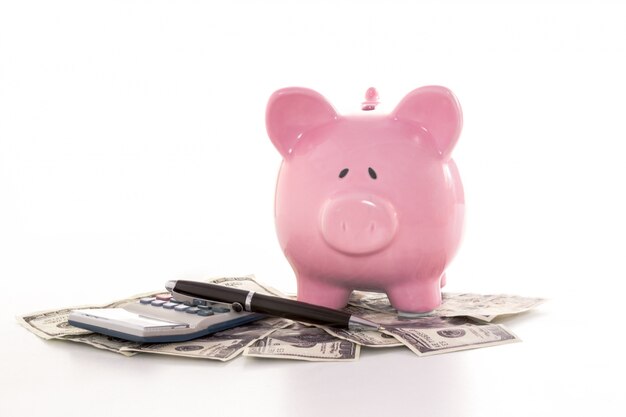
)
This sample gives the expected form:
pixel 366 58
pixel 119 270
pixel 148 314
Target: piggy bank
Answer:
pixel 369 201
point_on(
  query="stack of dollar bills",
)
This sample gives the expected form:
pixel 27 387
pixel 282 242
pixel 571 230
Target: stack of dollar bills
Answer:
pixel 463 321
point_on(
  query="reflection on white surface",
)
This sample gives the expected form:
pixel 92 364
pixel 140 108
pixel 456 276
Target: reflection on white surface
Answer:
pixel 382 383
pixel 563 356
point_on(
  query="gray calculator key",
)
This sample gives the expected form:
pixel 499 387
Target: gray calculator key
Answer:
pixel 169 305
pixel 146 300
pixel 158 303
pixel 221 309
pixel 181 307
pixel 205 312
pixel 192 310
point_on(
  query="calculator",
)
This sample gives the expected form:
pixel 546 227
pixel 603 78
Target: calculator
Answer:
pixel 161 319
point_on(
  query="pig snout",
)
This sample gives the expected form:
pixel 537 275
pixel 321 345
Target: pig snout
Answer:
pixel 358 224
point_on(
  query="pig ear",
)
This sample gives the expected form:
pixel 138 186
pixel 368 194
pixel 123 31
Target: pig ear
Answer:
pixel 291 112
pixel 436 110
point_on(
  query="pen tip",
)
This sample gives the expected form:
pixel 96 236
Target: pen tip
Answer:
pixel 169 285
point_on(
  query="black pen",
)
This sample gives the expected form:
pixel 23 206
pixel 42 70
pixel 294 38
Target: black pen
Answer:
pixel 242 300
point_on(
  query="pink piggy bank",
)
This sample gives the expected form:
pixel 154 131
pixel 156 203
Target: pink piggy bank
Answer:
pixel 369 202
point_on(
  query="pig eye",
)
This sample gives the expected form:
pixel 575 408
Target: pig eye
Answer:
pixel 343 172
pixel 372 173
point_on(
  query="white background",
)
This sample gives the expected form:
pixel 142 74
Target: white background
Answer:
pixel 133 151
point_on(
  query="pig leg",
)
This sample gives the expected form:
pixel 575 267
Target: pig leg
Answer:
pixel 416 296
pixel 322 293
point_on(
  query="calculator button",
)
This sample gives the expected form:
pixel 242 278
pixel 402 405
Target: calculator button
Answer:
pixel 146 300
pixel 192 310
pixel 200 302
pixel 164 297
pixel 169 305
pixel 158 303
pixel 220 309
pixel 205 312
pixel 181 307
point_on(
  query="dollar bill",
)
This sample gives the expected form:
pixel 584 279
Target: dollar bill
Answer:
pixel 372 338
pixel 53 324
pixel 451 327
pixel 436 335
pixel 424 336
pixel 104 342
pixel 248 283
pixel 483 307
pixel 303 343
pixel 222 346
pixel 365 338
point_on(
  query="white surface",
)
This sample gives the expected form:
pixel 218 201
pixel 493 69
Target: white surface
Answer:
pixel 133 151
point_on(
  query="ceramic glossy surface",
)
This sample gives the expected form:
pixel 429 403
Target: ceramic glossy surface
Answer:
pixel 368 201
